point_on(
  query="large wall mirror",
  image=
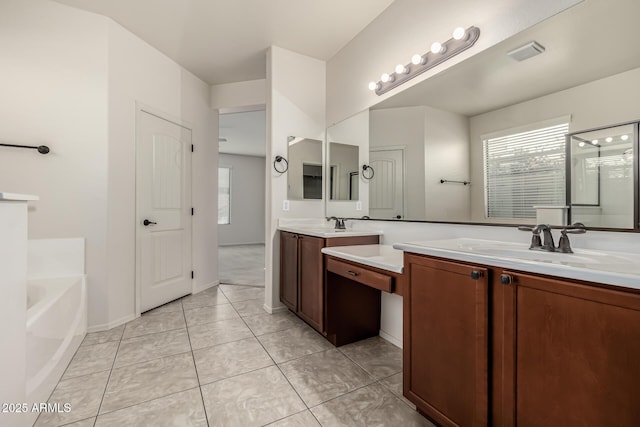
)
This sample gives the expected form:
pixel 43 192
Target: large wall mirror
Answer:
pixel 485 140
pixel 304 176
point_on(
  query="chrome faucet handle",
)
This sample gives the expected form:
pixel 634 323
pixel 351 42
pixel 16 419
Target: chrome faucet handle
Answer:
pixel 340 224
pixel 576 228
pixel 564 245
pixel 536 243
pixel 547 243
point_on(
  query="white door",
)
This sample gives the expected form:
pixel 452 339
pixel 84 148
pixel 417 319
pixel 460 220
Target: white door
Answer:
pixel 163 211
pixel 386 189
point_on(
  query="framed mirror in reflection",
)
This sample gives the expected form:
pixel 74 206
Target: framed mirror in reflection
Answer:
pixel 439 129
pixel 602 170
pixel 304 176
pixel 343 171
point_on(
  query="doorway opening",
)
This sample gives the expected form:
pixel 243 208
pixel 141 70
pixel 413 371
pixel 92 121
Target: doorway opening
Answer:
pixel 241 204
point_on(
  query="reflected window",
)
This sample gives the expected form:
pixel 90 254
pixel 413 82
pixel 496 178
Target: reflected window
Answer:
pixel 224 195
pixel 523 170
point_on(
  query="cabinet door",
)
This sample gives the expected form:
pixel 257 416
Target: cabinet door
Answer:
pixel 289 270
pixel 310 280
pixel 445 339
pixel 572 354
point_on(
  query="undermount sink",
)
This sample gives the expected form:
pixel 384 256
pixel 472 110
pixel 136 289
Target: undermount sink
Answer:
pixel 580 257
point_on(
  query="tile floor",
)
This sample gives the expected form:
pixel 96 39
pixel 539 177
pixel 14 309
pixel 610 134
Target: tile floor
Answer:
pixel 217 359
pixel 248 272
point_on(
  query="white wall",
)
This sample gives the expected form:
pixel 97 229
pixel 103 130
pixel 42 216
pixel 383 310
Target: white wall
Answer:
pixel 446 156
pixel 239 96
pixel 407 27
pixel 295 106
pixel 404 127
pixel 354 131
pixel 70 79
pixel 140 74
pixel 53 80
pixel 607 101
pixel 247 200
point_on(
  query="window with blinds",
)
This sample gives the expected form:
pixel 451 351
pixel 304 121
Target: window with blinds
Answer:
pixel 523 170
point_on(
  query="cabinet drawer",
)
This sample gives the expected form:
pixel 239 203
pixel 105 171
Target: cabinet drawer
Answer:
pixel 361 275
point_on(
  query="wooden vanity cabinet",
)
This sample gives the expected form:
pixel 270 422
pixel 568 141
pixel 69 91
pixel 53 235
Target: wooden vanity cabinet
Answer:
pixel 302 273
pixel 446 341
pixel 571 353
pixel 511 348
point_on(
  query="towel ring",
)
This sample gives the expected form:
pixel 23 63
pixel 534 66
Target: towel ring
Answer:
pixel 277 161
pixel 365 168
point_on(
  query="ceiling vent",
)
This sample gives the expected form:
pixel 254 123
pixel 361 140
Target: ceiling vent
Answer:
pixel 527 51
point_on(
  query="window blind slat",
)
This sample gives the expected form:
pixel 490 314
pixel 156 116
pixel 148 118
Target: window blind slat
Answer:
pixel 523 170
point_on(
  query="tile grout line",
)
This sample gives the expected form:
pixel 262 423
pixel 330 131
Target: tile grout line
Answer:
pixel 109 377
pixel 195 367
pixel 281 373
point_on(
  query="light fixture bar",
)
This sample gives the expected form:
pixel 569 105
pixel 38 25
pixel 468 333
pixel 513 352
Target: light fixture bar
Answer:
pixel 450 48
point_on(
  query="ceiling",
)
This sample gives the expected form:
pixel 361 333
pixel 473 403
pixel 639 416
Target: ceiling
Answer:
pixel 243 133
pixel 223 41
pixel 590 41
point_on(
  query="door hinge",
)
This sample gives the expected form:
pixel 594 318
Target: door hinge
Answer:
pixel 192 148
pixel 191 211
pixel 192 274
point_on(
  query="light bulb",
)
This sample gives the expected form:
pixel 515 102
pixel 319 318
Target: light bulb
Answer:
pixel 459 33
pixel 436 47
pixel 417 59
pixel 609 139
pixel 624 137
pixel 385 77
pixel 401 69
pixel 595 142
pixel 580 144
pixel 373 85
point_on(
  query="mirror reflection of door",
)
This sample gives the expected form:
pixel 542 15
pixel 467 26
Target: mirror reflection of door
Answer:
pixel 343 159
pixel 386 189
pixel 602 175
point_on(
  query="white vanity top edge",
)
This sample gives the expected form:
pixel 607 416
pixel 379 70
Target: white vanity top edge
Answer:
pixel 326 232
pixel 623 271
pixel 17 197
pixel 384 257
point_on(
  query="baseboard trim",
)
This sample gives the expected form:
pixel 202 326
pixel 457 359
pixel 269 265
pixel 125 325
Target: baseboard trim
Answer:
pixel 197 289
pixel 274 310
pixel 240 244
pixel 109 325
pixel 393 340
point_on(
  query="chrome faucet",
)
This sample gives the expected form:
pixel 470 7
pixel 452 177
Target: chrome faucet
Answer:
pixel 547 244
pixel 339 223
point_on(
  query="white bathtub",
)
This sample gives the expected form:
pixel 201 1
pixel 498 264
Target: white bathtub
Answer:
pixel 56 325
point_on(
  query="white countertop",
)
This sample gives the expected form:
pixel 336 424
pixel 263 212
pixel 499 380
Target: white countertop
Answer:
pixel 379 256
pixel 607 267
pixel 327 232
pixel 17 197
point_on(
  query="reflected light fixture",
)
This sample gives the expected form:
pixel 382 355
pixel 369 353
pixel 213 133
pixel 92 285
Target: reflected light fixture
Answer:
pixel 462 40
pixel 595 142
pixel 609 139
pixel 581 144
pixel 624 137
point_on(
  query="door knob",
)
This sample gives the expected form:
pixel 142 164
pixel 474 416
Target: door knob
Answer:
pixel 147 223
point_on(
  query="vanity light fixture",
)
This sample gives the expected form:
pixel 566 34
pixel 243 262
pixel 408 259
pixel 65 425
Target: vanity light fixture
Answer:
pixel 462 40
pixel 595 142
pixel 609 139
pixel 624 137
